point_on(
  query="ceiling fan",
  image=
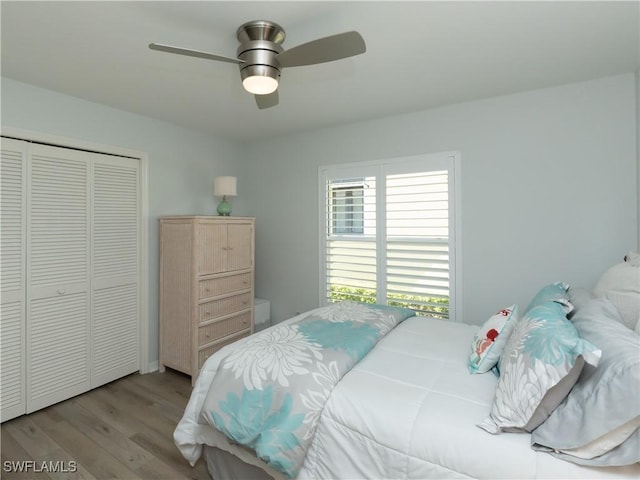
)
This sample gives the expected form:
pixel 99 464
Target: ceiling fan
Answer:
pixel 261 56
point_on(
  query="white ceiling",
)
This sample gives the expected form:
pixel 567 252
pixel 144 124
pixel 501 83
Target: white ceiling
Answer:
pixel 419 55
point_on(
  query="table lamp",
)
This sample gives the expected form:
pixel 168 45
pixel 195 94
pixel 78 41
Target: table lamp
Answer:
pixel 225 187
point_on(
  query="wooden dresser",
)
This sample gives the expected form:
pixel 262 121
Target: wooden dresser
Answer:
pixel 206 287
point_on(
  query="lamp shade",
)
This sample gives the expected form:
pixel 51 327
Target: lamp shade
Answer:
pixel 225 186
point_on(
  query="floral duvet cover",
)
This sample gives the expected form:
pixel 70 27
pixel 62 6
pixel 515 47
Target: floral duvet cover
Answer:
pixel 268 394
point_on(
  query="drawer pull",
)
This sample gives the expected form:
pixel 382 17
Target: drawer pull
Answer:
pixel 207 335
pixel 61 291
pixel 207 313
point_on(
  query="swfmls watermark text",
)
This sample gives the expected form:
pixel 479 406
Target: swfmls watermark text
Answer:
pixel 46 466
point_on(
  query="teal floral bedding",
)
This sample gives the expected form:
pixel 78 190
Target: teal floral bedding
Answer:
pixel 268 394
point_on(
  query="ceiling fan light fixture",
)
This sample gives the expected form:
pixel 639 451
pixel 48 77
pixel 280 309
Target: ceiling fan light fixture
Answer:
pixel 261 57
pixel 260 79
pixel 259 85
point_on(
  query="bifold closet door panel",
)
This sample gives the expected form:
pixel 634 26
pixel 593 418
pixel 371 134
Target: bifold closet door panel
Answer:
pixel 115 259
pixel 12 282
pixel 58 275
pixel 57 363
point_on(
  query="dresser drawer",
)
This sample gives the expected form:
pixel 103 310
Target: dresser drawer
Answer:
pixel 207 352
pixel 224 306
pixel 219 286
pixel 222 328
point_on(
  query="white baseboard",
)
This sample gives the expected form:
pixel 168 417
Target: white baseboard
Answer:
pixel 152 367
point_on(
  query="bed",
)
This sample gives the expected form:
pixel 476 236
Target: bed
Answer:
pixel 412 408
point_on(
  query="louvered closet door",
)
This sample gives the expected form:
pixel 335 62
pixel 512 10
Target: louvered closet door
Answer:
pixel 58 278
pixel 115 260
pixel 12 281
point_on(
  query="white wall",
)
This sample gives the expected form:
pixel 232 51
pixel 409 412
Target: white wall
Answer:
pixel 549 182
pixel 549 191
pixel 182 163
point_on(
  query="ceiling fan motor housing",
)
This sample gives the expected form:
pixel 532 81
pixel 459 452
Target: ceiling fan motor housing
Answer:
pixel 259 44
pixel 260 30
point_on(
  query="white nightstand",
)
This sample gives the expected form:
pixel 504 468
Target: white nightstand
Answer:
pixel 261 314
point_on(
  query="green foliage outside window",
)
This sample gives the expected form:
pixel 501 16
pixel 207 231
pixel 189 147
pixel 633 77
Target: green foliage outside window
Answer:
pixel 433 306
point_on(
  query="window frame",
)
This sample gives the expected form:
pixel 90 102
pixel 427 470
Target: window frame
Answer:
pixel 449 160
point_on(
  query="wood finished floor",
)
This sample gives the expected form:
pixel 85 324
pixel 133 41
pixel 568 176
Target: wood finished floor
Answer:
pixel 123 430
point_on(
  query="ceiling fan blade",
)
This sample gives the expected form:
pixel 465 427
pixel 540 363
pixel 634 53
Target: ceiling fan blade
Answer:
pixel 267 101
pixel 192 53
pixel 326 49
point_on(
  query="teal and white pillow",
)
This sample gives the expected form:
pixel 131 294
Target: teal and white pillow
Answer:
pixel 490 340
pixel 540 363
pixel 554 292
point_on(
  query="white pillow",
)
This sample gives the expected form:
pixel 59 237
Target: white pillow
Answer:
pixel 606 442
pixel 633 258
pixel 602 409
pixel 621 286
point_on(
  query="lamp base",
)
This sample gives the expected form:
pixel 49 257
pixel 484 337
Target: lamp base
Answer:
pixel 224 208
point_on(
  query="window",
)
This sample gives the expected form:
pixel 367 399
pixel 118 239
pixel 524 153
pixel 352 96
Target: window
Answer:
pixel 388 233
pixel 347 206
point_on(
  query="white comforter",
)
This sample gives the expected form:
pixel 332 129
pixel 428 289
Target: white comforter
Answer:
pixel 408 410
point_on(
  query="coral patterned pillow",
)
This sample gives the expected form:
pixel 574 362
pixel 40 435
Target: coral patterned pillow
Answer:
pixel 490 339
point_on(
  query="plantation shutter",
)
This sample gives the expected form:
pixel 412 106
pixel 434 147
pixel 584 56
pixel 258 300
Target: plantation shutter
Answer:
pixel 417 241
pixel 351 263
pixel 389 233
